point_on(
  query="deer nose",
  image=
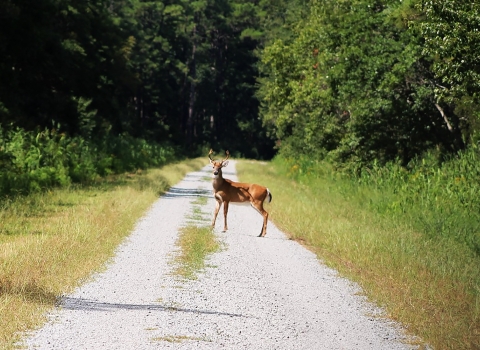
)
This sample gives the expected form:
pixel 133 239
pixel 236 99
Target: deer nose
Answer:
pixel 215 172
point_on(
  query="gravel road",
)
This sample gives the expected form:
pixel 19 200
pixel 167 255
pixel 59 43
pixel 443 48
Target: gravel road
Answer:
pixel 256 293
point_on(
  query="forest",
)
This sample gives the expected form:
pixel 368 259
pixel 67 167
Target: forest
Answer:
pixel 368 112
pixel 93 87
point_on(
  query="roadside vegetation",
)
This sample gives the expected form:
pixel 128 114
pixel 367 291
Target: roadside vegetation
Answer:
pixel 51 241
pixel 32 161
pixel 195 242
pixel 410 239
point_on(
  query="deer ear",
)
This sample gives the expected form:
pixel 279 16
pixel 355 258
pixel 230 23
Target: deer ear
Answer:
pixel 225 163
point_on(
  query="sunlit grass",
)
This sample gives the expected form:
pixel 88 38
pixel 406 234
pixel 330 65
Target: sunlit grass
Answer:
pixel 51 242
pixel 195 244
pixel 427 284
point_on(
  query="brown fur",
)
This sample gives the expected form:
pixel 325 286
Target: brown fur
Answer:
pixel 226 191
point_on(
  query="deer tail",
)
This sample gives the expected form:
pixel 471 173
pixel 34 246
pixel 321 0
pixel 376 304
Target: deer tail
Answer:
pixel 269 195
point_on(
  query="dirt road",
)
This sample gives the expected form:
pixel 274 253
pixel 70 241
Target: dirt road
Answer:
pixel 256 293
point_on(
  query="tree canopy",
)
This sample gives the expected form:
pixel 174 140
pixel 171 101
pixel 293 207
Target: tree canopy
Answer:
pixel 353 81
pixel 364 81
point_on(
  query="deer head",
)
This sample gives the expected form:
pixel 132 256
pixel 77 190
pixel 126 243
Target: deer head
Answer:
pixel 217 166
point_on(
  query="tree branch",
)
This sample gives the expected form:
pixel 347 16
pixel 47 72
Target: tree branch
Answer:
pixel 449 126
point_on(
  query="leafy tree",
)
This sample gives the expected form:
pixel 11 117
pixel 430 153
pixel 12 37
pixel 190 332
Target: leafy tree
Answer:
pixel 451 32
pixel 55 52
pixel 352 84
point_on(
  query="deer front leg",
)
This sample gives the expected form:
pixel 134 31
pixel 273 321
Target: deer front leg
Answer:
pixel 225 212
pixel 217 208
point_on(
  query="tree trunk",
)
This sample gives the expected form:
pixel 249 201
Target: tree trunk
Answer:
pixel 191 103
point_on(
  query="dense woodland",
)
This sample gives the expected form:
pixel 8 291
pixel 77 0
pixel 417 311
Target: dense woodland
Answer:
pixel 355 82
pixel 179 71
pixel 372 106
pixel 375 81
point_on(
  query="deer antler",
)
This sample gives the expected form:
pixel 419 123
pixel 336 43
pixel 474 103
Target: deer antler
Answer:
pixel 209 154
pixel 228 155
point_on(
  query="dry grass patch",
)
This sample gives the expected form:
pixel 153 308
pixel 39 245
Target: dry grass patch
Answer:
pixel 179 338
pixel 52 242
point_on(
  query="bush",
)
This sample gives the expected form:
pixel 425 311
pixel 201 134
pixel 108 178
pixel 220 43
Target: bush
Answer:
pixel 440 200
pixel 33 161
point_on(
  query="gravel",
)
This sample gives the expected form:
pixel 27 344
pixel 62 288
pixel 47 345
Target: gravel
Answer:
pixel 256 293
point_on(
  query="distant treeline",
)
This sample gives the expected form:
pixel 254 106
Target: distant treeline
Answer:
pixel 354 82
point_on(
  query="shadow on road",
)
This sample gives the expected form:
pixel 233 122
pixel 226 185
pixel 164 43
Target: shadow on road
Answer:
pixel 175 192
pixel 69 303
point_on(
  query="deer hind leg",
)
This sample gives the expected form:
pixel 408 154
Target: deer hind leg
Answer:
pixel 258 205
pixel 225 212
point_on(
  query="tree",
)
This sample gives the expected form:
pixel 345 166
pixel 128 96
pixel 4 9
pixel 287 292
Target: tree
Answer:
pixel 352 84
pixel 55 52
pixel 451 32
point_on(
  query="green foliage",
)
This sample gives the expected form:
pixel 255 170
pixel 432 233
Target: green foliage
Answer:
pixel 359 82
pixel 55 52
pixel 451 32
pixel 441 201
pixel 182 71
pixel 452 37
pixel 34 161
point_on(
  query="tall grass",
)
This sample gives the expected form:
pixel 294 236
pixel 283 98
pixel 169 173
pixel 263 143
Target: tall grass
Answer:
pixel 51 241
pixel 405 235
pixel 33 161
pixel 441 201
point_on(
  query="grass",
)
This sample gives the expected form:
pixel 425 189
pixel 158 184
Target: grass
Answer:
pixel 430 285
pixel 195 243
pixel 51 242
pixel 179 339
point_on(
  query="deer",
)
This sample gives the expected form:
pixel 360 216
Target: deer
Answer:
pixel 227 191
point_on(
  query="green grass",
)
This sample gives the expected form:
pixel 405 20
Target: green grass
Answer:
pixel 429 284
pixel 52 241
pixel 195 243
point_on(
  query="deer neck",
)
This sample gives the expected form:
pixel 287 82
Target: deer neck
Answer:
pixel 217 181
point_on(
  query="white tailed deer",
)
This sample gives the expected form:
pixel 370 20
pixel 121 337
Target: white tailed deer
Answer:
pixel 226 191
